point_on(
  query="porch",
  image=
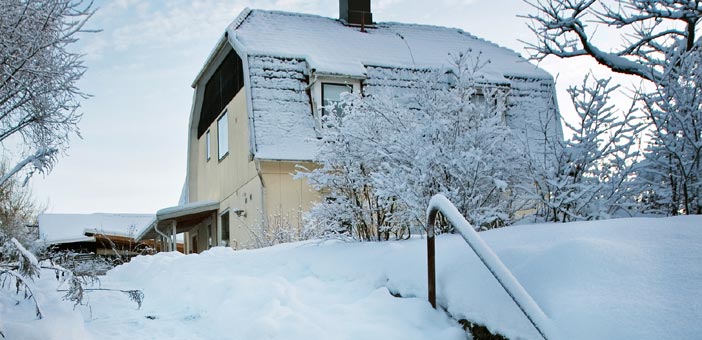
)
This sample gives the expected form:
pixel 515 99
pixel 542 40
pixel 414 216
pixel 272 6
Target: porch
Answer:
pixel 172 221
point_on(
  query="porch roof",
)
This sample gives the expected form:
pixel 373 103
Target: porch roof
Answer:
pixel 185 217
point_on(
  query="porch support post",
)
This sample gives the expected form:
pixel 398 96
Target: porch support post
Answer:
pixel 173 235
pixel 215 229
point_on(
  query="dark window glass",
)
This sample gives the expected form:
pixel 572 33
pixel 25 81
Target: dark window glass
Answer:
pixel 220 89
pixel 225 228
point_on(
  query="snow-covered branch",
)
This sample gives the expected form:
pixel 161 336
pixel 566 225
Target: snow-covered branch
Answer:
pixel 39 98
pixel 651 28
pixel 590 176
pixel 42 160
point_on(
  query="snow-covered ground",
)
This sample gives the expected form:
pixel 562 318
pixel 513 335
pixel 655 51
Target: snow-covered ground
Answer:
pixel 635 278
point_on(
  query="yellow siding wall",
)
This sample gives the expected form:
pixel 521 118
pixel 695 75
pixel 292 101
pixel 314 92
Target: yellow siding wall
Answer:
pixel 219 179
pixel 233 180
pixel 286 198
pixel 264 190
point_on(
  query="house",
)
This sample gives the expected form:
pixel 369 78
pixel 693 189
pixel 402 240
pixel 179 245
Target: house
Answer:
pixel 258 103
pixel 100 234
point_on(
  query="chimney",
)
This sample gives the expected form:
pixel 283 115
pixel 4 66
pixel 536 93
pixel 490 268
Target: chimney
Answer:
pixel 355 12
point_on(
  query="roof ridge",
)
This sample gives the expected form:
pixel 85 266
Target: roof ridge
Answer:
pixel 245 13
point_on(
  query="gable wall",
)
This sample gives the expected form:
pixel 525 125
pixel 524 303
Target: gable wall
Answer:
pixel 233 180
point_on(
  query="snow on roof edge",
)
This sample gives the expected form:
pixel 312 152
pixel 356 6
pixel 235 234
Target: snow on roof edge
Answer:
pixel 239 18
pixel 165 212
pixel 210 58
pixel 63 228
pixel 72 240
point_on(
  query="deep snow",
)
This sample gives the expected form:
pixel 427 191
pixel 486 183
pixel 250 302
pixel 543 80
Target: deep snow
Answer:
pixel 619 279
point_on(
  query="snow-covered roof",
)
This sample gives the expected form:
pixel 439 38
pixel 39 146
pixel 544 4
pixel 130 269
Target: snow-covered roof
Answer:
pixel 283 53
pixel 66 228
pixel 330 47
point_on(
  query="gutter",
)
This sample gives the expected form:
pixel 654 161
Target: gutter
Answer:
pixel 162 234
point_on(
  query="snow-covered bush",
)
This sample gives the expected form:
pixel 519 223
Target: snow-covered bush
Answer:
pixel 389 151
pixel 277 228
pixel 590 175
pixel 18 210
pixel 19 268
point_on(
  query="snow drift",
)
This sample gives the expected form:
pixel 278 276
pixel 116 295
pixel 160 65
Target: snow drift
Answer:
pixel 619 279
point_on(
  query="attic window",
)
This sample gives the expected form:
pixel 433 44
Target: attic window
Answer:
pixel 326 93
pixel 226 81
pixel 491 98
pixel 331 97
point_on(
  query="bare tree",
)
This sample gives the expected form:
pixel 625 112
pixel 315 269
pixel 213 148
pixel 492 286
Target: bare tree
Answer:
pixel 38 75
pixel 18 209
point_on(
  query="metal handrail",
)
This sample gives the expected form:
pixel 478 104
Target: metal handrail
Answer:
pixel 511 285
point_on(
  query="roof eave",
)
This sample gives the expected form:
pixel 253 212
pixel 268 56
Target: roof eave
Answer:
pixel 73 240
pixel 210 59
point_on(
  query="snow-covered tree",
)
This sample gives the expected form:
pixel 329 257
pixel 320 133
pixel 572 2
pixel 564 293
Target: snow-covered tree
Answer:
pixel 590 175
pixel 672 171
pixel 389 151
pixel 660 46
pixel 38 76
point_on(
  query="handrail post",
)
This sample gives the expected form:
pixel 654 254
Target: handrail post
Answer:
pixel 431 260
pixel 492 262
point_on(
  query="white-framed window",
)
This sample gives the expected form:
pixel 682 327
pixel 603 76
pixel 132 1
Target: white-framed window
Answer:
pixel 326 93
pixel 208 146
pixel 331 96
pixel 222 136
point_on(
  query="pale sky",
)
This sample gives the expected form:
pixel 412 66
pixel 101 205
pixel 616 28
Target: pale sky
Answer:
pixel 132 156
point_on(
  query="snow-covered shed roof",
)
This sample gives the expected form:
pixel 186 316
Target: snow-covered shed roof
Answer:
pixel 67 228
pixel 283 53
